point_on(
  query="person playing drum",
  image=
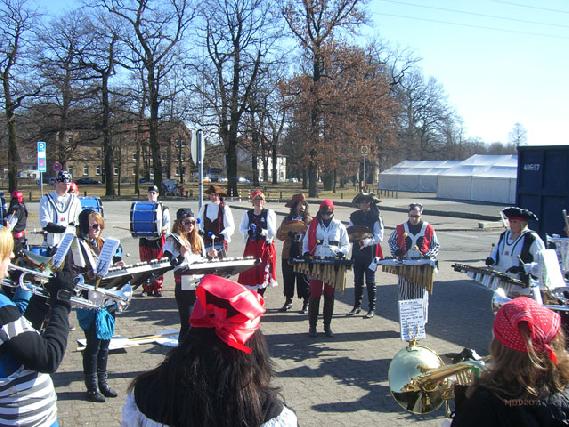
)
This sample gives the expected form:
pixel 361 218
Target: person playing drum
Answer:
pixel 518 251
pixel 185 244
pixel 327 237
pixel 59 210
pixel 366 246
pixel 150 248
pixel 291 232
pixel 259 228
pixel 216 221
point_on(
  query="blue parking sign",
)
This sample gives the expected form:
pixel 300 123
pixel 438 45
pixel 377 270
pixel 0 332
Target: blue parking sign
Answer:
pixel 42 164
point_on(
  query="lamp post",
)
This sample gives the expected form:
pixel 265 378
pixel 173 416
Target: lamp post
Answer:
pixel 364 149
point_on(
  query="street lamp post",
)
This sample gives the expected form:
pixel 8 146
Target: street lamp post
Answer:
pixel 365 151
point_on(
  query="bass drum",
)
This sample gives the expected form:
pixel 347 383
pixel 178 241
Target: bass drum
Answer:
pixel 146 219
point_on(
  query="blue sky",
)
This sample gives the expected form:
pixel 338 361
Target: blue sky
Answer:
pixel 499 61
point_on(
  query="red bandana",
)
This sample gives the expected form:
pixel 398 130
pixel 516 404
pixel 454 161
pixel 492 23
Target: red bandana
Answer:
pixel 543 325
pixel 236 330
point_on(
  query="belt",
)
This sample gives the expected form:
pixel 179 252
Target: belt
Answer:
pixel 331 242
pixel 19 234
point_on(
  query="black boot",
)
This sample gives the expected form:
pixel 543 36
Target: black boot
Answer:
pixel 313 307
pixel 371 299
pixel 358 295
pixel 328 312
pixel 89 370
pixel 102 374
pixel 304 308
pixel 287 305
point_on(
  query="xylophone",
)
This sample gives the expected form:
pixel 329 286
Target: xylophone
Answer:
pixel 222 267
pixel 136 274
pixel 419 271
pixel 331 271
pixel 489 277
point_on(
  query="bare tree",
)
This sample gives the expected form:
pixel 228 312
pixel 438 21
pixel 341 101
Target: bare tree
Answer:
pixel 17 20
pixel 239 36
pixel 157 27
pixel 518 135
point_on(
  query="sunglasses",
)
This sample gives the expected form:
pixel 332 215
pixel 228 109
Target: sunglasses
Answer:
pixel 414 216
pixel 95 226
pixel 188 221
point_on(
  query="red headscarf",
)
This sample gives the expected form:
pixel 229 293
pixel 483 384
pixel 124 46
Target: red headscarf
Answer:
pixel 257 193
pixel 233 329
pixel 543 325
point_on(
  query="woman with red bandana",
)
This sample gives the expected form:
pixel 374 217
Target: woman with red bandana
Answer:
pixel 220 374
pixel 16 221
pixel 259 228
pixel 518 251
pixel 326 238
pixel 526 381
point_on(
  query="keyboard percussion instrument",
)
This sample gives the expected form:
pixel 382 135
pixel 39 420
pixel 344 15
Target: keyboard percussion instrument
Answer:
pixel 224 267
pixel 419 271
pixel 331 271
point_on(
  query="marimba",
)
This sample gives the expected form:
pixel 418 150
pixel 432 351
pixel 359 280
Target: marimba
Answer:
pixel 136 274
pixel 222 267
pixel 489 278
pixel 419 271
pixel 331 271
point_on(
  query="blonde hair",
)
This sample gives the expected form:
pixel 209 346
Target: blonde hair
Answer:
pixel 98 218
pixel 193 238
pixel 6 243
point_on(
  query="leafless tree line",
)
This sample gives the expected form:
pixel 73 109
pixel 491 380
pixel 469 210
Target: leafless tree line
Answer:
pixel 274 77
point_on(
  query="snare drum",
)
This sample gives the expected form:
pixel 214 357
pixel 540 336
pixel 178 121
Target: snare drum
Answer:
pixel 146 219
pixel 92 202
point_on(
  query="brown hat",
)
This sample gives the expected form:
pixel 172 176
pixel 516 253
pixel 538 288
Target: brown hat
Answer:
pixel 216 189
pixel 296 198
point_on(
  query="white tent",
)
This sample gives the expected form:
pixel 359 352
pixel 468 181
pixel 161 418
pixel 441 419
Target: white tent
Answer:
pixel 414 176
pixel 484 178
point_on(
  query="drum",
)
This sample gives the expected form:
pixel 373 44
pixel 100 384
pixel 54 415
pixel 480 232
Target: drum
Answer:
pixel 146 219
pixel 92 202
pixel 40 250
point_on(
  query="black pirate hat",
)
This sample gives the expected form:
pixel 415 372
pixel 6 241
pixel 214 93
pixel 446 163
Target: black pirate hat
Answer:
pixel 515 212
pixel 365 197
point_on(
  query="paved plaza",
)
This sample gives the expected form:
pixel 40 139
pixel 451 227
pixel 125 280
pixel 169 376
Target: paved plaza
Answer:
pixel 340 381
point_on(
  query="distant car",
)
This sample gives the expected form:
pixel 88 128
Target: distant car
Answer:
pixel 223 179
pixel 144 180
pixel 292 180
pixel 243 180
pixel 86 181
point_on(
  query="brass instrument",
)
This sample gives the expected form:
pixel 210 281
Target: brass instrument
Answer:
pixel 420 382
pixel 331 271
pixel 96 296
pixel 420 271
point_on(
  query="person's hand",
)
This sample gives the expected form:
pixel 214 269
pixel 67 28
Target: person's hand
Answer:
pixel 490 261
pixel 212 253
pixel 174 261
pixel 306 255
pixel 119 264
pixel 399 253
pixel 61 287
pixel 515 269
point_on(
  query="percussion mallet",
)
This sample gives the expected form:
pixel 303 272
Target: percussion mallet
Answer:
pixel 212 237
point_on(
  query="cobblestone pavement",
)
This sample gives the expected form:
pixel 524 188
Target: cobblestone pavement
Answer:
pixel 340 381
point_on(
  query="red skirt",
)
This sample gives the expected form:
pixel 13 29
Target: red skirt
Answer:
pixel 265 273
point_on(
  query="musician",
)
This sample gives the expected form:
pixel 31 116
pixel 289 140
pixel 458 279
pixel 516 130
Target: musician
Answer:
pixel 298 219
pixel 98 325
pixel 216 220
pixel 364 250
pixel 150 248
pixel 258 227
pixel 414 239
pixel 220 375
pixel 59 210
pixel 518 251
pixel 27 394
pixel 327 237
pixel 184 243
pixel 74 189
pixel 17 219
pixel 526 383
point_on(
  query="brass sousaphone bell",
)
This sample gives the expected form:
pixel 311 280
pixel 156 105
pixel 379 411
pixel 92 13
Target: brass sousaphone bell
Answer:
pixel 420 381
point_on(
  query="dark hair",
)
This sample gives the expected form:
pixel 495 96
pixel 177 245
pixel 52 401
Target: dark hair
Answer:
pixel 294 207
pixel 415 205
pixel 205 382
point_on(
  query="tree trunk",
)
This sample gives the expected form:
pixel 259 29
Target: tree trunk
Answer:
pixel 274 156
pixel 108 147
pixel 328 180
pixel 231 160
pixel 12 152
pixel 312 175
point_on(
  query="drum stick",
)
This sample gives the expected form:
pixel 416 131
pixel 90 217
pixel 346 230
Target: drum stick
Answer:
pixel 122 228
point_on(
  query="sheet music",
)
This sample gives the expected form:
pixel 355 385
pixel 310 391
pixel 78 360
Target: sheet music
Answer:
pixel 412 319
pixel 62 250
pixel 106 256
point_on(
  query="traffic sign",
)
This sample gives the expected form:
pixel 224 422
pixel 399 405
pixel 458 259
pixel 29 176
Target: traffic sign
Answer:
pixel 42 163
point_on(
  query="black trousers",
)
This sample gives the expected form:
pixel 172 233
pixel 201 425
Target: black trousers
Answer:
pixel 185 301
pixel 289 278
pixel 362 274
